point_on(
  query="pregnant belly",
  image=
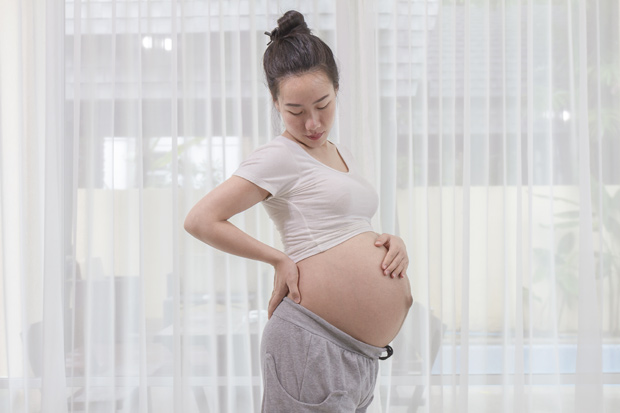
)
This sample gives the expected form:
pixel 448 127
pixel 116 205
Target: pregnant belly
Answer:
pixel 346 286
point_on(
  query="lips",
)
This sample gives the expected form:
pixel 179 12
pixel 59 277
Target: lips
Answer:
pixel 315 136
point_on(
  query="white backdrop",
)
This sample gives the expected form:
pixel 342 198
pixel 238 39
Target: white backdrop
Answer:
pixel 491 130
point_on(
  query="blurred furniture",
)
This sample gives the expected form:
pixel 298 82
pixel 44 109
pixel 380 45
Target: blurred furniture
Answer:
pixel 421 318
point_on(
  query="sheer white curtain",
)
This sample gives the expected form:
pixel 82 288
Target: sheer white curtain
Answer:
pixel 33 240
pixel 491 130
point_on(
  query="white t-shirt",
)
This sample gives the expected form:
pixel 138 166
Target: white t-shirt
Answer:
pixel 313 206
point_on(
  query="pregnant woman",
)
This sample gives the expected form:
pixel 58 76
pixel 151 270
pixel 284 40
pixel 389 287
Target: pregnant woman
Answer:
pixel 341 292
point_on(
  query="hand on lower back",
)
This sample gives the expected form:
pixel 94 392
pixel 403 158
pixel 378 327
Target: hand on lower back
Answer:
pixel 286 281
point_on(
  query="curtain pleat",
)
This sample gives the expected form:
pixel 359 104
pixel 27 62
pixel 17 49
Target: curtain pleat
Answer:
pixel 588 394
pixel 489 129
pixel 144 376
pixel 50 139
pixel 463 350
pixel 70 287
pixel 12 199
pixel 517 308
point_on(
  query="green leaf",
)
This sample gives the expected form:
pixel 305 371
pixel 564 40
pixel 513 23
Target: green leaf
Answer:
pixel 541 255
pixel 526 295
pixel 616 201
pixel 542 261
pixel 565 225
pixel 606 256
pixel 567 242
pixel 569 283
pixel 539 275
pixel 612 226
pixel 568 215
pixel 557 198
pixel 607 267
pixel 607 199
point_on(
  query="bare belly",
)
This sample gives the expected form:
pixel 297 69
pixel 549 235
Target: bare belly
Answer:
pixel 345 286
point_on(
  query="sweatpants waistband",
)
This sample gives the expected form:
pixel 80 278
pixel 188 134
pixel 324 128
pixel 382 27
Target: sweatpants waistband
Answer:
pixel 290 311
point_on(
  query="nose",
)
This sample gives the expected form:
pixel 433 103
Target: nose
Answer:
pixel 313 122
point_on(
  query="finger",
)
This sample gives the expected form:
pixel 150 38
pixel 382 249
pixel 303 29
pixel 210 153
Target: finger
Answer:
pixel 393 268
pixel 276 299
pixel 398 272
pixel 390 256
pixel 396 261
pixel 293 289
pixel 405 267
pixel 273 304
pixel 270 309
pixel 389 262
pixel 382 239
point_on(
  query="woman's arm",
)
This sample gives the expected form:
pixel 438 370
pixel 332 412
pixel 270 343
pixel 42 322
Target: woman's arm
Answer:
pixel 208 222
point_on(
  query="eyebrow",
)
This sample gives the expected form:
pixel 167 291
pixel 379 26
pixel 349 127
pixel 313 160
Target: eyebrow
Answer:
pixel 315 102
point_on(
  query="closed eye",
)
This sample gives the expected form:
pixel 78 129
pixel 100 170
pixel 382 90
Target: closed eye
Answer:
pixel 294 114
pixel 321 108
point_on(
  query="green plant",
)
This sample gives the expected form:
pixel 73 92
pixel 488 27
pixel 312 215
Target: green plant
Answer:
pixel 606 229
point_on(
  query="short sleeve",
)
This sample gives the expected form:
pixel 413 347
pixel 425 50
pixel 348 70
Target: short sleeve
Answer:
pixel 270 167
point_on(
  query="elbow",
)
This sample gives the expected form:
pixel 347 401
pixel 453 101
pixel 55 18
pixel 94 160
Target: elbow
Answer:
pixel 199 226
pixel 187 225
pixel 191 225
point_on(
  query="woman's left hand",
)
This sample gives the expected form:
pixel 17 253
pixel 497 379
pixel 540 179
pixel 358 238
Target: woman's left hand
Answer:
pixel 396 260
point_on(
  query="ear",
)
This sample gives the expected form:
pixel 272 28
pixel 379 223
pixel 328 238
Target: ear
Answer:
pixel 276 104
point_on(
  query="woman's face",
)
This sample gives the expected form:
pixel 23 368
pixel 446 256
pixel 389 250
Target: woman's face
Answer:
pixel 307 104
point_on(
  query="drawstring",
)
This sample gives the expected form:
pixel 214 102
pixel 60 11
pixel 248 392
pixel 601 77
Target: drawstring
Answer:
pixel 390 351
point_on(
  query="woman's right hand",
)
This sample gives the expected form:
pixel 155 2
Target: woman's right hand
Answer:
pixel 286 280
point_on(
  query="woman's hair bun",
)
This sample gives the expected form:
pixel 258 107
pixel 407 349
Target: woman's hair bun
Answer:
pixel 292 22
pixel 294 50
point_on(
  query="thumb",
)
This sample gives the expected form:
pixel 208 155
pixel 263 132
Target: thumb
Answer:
pixel 382 239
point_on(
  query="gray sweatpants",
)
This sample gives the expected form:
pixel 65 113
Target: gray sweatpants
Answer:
pixel 311 366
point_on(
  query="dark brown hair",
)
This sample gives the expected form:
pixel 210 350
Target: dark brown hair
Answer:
pixel 294 50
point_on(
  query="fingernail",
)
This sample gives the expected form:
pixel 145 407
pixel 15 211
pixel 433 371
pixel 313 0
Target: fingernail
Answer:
pixel 384 266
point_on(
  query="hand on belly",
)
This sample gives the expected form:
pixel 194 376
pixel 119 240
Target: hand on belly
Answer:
pixel 346 286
